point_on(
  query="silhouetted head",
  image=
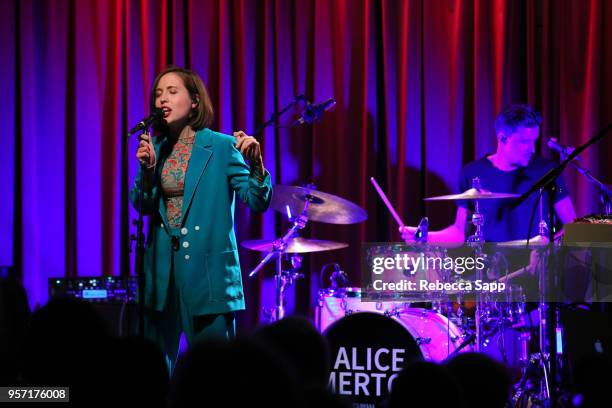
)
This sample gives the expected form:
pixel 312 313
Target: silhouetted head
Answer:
pixel 302 345
pixel 485 382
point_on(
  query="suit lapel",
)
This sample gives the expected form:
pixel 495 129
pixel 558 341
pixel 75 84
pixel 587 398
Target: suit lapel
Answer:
pixel 200 156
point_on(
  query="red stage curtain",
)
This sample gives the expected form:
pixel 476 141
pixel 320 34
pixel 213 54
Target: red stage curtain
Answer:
pixel 417 84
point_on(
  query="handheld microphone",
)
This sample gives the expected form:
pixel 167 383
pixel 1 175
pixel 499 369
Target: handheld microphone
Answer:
pixel 156 114
pixel 314 112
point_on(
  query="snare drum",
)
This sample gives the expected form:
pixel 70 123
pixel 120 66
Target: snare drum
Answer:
pixel 368 349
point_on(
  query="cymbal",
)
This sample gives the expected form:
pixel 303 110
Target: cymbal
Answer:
pixel 473 194
pixel 537 241
pixel 322 207
pixel 294 245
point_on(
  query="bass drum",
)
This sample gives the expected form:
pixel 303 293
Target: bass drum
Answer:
pixel 369 349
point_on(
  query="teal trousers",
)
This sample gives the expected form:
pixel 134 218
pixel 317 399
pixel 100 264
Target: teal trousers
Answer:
pixel 165 328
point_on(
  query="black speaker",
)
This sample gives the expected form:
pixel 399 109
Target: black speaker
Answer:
pixel 113 297
pixel 121 318
pixel 586 332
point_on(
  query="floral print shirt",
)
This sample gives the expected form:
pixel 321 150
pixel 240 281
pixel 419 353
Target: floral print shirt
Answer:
pixel 173 179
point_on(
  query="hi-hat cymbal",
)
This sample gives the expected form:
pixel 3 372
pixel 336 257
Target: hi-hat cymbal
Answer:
pixel 322 207
pixel 295 245
pixel 537 241
pixel 473 194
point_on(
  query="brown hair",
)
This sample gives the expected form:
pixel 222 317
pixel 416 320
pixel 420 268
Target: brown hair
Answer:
pixel 202 115
pixel 515 116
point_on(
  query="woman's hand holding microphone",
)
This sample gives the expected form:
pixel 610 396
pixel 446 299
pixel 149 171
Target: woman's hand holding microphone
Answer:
pixel 146 152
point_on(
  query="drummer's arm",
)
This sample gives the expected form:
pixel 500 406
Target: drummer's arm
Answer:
pixel 565 210
pixel 535 259
pixel 566 213
pixel 453 233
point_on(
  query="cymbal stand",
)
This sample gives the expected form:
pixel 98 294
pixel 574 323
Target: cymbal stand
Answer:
pixel 542 226
pixel 279 247
pixel 539 363
pixel 536 380
pixel 477 241
pixel 545 351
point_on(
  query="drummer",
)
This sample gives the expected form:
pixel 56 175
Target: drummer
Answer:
pixel 513 168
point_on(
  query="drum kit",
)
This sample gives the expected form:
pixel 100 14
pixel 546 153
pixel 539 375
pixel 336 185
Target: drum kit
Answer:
pixel 359 332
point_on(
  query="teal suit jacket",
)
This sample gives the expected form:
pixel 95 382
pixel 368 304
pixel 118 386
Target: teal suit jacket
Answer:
pixel 206 265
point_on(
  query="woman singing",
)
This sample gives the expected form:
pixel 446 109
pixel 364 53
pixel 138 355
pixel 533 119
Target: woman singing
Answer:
pixel 191 175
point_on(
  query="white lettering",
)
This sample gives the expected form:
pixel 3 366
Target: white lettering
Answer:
pixel 378 376
pixel 342 358
pixel 331 384
pixel 390 383
pixel 361 382
pixel 377 363
pixel 344 382
pixel 377 283
pixel 356 366
pixel 377 267
pixel 397 359
pixel 415 264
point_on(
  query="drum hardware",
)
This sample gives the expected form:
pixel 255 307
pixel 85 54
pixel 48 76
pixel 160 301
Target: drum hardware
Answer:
pixel 290 276
pixel 486 312
pixel 379 305
pixel 542 225
pixel 535 368
pixel 279 247
pixel 296 261
pixel 470 339
pixel 544 350
pixel 311 205
pixel 392 312
pixel 537 363
pixel 477 239
pixel 338 278
pixel 460 312
pixel 478 218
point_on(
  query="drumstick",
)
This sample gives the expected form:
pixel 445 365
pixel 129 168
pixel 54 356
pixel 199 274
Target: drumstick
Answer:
pixel 387 202
pixel 518 272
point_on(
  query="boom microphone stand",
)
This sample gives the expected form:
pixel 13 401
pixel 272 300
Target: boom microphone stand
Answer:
pixel 274 116
pixel 140 246
pixel 547 182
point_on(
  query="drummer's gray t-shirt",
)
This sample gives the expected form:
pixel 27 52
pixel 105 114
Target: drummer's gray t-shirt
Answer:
pixel 505 221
